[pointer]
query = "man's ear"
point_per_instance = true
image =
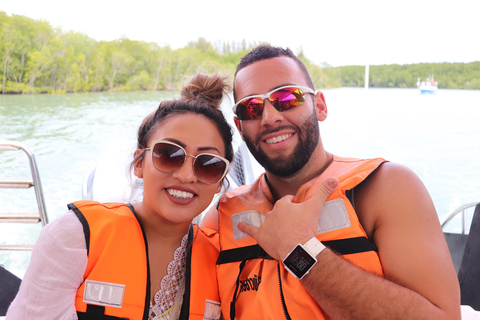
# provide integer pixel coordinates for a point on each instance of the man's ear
(238, 124)
(138, 166)
(320, 106)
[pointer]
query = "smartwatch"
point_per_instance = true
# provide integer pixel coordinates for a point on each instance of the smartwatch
(303, 257)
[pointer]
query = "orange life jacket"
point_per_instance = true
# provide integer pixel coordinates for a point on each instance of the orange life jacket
(117, 278)
(254, 286)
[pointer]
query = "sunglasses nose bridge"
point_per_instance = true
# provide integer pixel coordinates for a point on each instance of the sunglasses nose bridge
(186, 172)
(270, 114)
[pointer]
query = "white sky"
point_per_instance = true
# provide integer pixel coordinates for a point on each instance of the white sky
(338, 32)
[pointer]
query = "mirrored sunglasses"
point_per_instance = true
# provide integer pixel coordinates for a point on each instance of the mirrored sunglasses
(169, 157)
(283, 99)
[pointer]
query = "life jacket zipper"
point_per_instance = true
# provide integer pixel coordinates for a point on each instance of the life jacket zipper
(282, 298)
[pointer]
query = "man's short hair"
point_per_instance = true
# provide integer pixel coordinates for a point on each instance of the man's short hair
(264, 52)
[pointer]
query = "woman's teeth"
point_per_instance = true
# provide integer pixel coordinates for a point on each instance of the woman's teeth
(180, 194)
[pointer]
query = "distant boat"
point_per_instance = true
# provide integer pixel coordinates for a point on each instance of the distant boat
(427, 86)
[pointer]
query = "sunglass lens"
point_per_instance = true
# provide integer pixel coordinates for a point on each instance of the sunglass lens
(287, 98)
(283, 100)
(250, 109)
(209, 169)
(167, 157)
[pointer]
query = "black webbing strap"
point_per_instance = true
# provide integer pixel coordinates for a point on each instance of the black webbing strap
(185, 310)
(232, 304)
(350, 245)
(242, 254)
(341, 246)
(95, 312)
(84, 222)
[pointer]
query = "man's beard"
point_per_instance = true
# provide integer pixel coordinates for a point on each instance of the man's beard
(285, 166)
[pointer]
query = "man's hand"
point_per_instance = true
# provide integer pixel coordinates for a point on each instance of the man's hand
(289, 223)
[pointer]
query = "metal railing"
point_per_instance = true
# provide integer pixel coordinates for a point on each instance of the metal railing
(463, 210)
(24, 183)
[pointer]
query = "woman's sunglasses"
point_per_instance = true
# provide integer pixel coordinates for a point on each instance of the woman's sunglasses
(283, 99)
(169, 157)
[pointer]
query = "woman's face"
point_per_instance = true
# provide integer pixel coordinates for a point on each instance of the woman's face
(179, 196)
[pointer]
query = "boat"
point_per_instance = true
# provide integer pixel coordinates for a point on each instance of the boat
(463, 242)
(10, 283)
(462, 233)
(429, 85)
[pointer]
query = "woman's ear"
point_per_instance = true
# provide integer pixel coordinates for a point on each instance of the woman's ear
(138, 167)
(220, 185)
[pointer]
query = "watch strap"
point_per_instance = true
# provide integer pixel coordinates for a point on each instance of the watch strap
(314, 247)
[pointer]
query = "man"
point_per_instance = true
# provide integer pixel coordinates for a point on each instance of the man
(381, 254)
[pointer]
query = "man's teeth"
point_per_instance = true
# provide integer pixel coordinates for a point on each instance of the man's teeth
(180, 194)
(279, 138)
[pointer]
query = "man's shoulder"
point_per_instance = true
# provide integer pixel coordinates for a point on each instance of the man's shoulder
(387, 194)
(393, 172)
(389, 182)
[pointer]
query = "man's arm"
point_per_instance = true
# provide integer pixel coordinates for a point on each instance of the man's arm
(398, 215)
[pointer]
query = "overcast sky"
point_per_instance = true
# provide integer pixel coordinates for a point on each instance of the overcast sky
(348, 32)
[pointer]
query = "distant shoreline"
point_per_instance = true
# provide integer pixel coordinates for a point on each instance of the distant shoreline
(39, 59)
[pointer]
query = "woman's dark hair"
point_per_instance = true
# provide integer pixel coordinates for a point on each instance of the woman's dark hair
(202, 95)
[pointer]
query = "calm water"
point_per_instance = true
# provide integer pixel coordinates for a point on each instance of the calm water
(437, 136)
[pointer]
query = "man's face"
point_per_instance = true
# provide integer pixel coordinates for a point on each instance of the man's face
(282, 142)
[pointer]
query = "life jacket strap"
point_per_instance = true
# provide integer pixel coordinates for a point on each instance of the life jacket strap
(185, 311)
(242, 254)
(341, 246)
(232, 304)
(350, 245)
(95, 312)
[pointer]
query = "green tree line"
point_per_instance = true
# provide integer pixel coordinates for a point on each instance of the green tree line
(37, 58)
(448, 75)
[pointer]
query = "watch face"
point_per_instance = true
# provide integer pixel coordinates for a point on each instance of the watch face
(299, 262)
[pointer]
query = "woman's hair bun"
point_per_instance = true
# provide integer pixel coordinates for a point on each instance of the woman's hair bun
(207, 89)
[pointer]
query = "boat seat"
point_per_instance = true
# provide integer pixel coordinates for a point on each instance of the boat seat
(456, 244)
(469, 271)
(9, 285)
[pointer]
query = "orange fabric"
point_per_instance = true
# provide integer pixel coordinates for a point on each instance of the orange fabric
(117, 254)
(259, 295)
(202, 285)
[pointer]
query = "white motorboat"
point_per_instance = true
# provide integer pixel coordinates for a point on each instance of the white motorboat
(429, 85)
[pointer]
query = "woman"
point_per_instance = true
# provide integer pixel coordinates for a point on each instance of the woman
(139, 261)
